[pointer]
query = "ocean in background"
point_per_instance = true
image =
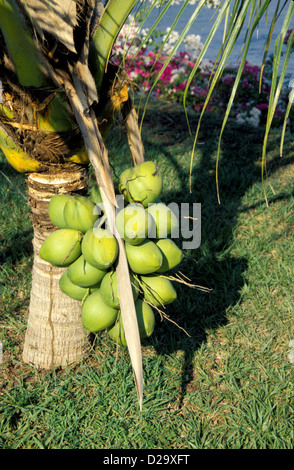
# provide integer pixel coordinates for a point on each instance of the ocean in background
(204, 22)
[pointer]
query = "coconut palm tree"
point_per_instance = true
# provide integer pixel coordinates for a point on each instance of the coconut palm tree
(58, 83)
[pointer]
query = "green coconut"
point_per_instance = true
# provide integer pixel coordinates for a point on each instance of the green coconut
(83, 274)
(62, 247)
(109, 291)
(99, 248)
(123, 178)
(165, 219)
(79, 213)
(56, 208)
(95, 195)
(158, 290)
(133, 223)
(145, 258)
(72, 290)
(171, 254)
(143, 184)
(146, 323)
(96, 314)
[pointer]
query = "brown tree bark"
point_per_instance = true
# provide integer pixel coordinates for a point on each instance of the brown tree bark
(55, 335)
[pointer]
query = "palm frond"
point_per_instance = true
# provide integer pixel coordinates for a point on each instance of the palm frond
(277, 81)
(174, 49)
(236, 17)
(21, 45)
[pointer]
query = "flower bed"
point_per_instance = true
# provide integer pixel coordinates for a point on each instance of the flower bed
(143, 65)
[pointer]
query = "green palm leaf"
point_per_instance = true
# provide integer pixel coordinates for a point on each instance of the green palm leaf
(179, 41)
(277, 82)
(237, 16)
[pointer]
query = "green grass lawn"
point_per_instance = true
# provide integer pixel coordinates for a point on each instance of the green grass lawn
(215, 377)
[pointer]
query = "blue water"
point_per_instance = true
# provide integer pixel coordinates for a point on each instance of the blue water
(202, 26)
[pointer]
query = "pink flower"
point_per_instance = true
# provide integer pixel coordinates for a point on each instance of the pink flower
(228, 80)
(147, 65)
(262, 106)
(289, 31)
(146, 85)
(158, 93)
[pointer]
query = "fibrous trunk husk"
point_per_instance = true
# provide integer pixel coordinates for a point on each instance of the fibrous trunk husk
(55, 335)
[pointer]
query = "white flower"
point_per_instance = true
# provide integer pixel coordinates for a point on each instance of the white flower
(171, 38)
(193, 44)
(130, 38)
(213, 3)
(146, 60)
(253, 118)
(133, 75)
(176, 73)
(209, 3)
(206, 65)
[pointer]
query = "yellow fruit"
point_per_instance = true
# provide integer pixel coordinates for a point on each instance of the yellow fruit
(158, 290)
(62, 247)
(96, 315)
(109, 292)
(171, 254)
(143, 183)
(165, 220)
(146, 323)
(80, 156)
(133, 223)
(83, 274)
(72, 290)
(79, 213)
(56, 208)
(100, 248)
(145, 258)
(18, 159)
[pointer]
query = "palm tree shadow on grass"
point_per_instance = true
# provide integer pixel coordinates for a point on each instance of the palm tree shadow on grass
(18, 241)
(19, 246)
(212, 264)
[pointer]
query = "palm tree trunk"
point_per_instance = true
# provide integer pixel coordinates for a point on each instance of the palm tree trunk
(54, 335)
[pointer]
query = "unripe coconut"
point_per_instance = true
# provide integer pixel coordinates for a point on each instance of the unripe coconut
(95, 195)
(123, 178)
(109, 291)
(83, 274)
(79, 213)
(146, 323)
(142, 184)
(96, 314)
(158, 290)
(96, 198)
(56, 208)
(72, 290)
(100, 248)
(165, 219)
(171, 254)
(145, 258)
(133, 223)
(62, 247)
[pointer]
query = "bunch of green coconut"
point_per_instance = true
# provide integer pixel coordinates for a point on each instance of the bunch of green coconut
(89, 250)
